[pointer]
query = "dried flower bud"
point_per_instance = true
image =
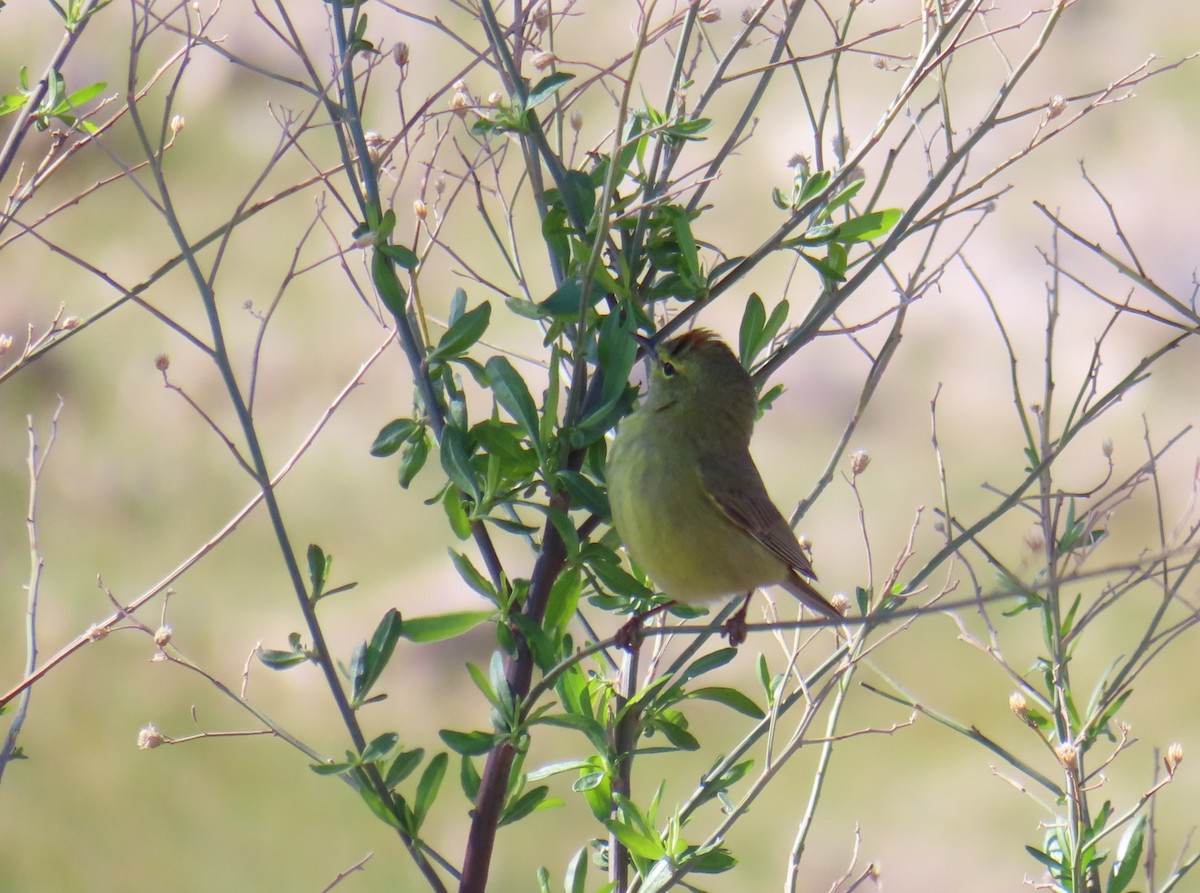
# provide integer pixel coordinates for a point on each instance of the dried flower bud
(840, 145)
(541, 16)
(495, 99)
(1068, 756)
(576, 120)
(1019, 707)
(177, 124)
(841, 603)
(1035, 540)
(859, 460)
(162, 636)
(459, 103)
(162, 362)
(96, 632)
(5, 343)
(1055, 107)
(70, 322)
(1174, 757)
(542, 61)
(150, 738)
(439, 185)
(419, 209)
(159, 657)
(1107, 448)
(746, 15)
(800, 163)
(879, 62)
(400, 54)
(710, 15)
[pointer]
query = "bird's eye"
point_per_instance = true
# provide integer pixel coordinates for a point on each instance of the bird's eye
(668, 369)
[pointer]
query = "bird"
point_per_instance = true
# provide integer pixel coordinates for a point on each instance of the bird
(687, 500)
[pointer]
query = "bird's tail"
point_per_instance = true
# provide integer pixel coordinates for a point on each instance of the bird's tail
(803, 590)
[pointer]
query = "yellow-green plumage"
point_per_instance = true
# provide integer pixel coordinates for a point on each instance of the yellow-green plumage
(686, 496)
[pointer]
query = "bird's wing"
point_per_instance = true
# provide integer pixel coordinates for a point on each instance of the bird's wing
(737, 489)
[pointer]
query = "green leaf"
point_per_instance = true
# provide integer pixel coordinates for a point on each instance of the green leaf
(616, 352)
(552, 769)
(282, 660)
(754, 319)
(378, 653)
(379, 808)
(482, 683)
(588, 781)
(11, 102)
(318, 570)
(731, 698)
(497, 676)
(401, 255)
(456, 461)
(512, 394)
(774, 323)
(584, 493)
(593, 730)
(470, 744)
(473, 577)
(463, 333)
(841, 198)
(707, 664)
(764, 678)
(412, 460)
(406, 761)
(387, 285)
(524, 309)
(681, 226)
(869, 226)
(380, 748)
(358, 672)
(557, 236)
(580, 192)
(524, 805)
(678, 735)
(458, 306)
(468, 777)
(712, 859)
(1129, 853)
(563, 304)
(576, 879)
(564, 599)
(443, 626)
(716, 786)
(1052, 864)
(85, 95)
(827, 270)
(635, 831)
(456, 513)
(331, 768)
(545, 88)
(427, 787)
(392, 436)
(812, 187)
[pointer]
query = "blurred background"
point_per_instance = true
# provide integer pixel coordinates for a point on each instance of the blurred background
(137, 480)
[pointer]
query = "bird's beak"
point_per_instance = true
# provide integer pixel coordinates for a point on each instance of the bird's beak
(650, 345)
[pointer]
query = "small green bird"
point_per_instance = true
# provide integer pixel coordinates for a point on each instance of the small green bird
(687, 499)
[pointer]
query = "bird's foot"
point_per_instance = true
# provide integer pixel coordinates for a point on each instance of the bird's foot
(734, 629)
(630, 636)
